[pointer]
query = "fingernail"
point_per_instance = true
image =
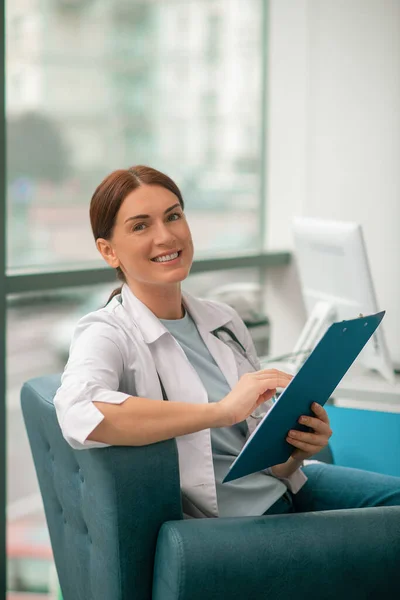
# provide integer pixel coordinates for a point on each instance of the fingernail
(303, 419)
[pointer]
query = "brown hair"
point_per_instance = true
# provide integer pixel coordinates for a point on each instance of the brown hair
(111, 193)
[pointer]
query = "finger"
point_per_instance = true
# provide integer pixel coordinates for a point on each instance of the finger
(309, 448)
(277, 379)
(316, 424)
(273, 372)
(309, 438)
(266, 396)
(320, 412)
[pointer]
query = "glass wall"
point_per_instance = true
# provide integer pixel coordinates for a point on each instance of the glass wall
(90, 87)
(105, 84)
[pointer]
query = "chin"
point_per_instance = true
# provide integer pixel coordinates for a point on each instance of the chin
(177, 277)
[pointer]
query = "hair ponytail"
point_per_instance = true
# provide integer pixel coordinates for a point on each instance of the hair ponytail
(114, 293)
(121, 277)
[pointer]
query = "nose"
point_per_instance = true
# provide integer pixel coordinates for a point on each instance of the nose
(163, 235)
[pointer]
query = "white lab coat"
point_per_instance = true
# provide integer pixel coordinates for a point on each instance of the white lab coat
(116, 353)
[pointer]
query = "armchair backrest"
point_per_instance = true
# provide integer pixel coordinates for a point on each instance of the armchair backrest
(104, 507)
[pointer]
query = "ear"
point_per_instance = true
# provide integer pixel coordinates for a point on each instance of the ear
(108, 253)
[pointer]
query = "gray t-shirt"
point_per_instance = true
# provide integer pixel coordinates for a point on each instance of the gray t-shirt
(248, 496)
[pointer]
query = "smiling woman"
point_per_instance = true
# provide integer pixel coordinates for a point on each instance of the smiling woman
(138, 221)
(153, 343)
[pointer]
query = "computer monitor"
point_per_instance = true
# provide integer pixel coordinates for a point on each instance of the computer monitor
(337, 285)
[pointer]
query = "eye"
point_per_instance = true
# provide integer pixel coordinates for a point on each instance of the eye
(138, 227)
(176, 216)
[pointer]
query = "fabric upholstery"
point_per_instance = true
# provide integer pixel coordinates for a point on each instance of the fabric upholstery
(349, 554)
(102, 506)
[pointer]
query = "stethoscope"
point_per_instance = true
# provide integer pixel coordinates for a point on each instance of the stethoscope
(243, 351)
(234, 338)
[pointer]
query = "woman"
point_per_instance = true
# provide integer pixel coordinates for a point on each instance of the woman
(151, 343)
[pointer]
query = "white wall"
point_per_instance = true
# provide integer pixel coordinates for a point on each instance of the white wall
(334, 140)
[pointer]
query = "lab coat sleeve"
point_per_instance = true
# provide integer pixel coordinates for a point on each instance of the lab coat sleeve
(93, 373)
(294, 482)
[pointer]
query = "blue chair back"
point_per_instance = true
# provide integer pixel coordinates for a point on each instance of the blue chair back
(103, 506)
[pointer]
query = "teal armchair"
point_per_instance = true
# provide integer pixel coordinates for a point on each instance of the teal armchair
(117, 531)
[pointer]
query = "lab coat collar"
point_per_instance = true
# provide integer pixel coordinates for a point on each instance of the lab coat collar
(206, 316)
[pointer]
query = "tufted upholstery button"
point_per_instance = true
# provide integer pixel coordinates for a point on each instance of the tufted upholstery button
(81, 477)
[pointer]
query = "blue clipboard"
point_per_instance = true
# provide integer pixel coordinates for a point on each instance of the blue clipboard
(315, 381)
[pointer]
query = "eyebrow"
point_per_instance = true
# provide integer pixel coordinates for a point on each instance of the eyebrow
(148, 216)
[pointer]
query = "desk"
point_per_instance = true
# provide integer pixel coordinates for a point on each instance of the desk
(362, 388)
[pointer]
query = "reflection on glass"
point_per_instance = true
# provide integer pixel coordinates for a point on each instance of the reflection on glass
(93, 86)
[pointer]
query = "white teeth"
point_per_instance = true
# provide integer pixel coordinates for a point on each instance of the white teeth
(166, 257)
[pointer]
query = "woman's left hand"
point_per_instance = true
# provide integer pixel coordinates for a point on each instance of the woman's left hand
(308, 444)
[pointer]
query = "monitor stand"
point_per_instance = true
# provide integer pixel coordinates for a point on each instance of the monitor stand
(321, 317)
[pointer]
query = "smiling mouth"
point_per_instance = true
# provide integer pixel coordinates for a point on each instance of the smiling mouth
(168, 257)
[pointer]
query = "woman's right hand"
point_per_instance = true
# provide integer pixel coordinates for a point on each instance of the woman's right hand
(251, 390)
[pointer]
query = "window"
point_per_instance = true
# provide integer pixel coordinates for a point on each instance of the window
(113, 84)
(91, 87)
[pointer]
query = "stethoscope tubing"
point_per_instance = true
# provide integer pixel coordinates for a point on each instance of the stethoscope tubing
(216, 332)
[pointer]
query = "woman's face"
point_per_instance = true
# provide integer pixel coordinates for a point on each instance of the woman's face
(150, 229)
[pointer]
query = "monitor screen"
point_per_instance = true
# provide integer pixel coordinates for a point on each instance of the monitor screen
(333, 266)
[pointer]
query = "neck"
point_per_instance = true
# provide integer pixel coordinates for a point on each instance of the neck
(165, 301)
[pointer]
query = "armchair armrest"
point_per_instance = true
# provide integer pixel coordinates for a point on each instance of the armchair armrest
(334, 554)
